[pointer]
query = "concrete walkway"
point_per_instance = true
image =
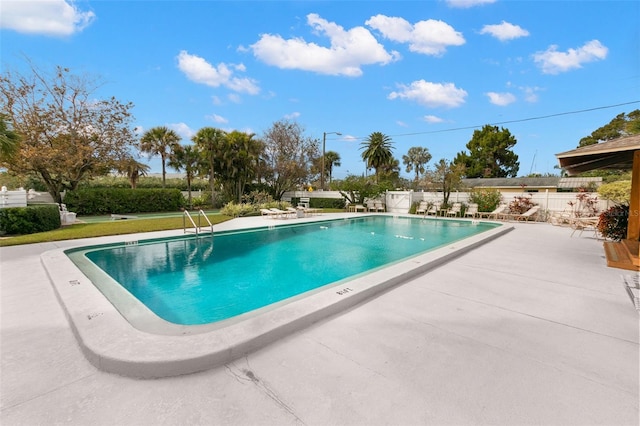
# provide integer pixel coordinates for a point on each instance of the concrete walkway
(531, 328)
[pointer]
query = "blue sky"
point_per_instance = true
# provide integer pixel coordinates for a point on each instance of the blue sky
(426, 73)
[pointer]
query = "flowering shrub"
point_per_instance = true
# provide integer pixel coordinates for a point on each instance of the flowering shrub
(613, 222)
(486, 199)
(585, 205)
(520, 204)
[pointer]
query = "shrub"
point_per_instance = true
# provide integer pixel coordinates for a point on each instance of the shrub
(29, 220)
(238, 210)
(618, 192)
(613, 222)
(486, 199)
(520, 204)
(101, 201)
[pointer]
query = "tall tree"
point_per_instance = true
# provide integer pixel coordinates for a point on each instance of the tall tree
(490, 154)
(288, 155)
(133, 169)
(186, 158)
(377, 151)
(160, 141)
(416, 159)
(239, 161)
(9, 140)
(446, 177)
(622, 125)
(331, 160)
(68, 134)
(210, 142)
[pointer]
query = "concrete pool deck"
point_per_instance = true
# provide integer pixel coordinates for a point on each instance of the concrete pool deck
(531, 328)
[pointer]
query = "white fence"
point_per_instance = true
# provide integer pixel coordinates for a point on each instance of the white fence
(17, 198)
(401, 201)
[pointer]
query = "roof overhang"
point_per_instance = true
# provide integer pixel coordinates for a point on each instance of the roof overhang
(613, 154)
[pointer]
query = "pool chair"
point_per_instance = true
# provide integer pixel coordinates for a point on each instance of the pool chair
(422, 208)
(471, 211)
(530, 214)
(268, 212)
(455, 210)
(434, 209)
(283, 214)
(380, 207)
(500, 210)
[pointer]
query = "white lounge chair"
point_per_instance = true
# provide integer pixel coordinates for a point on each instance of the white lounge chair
(471, 211)
(529, 214)
(268, 212)
(434, 209)
(455, 210)
(422, 207)
(494, 214)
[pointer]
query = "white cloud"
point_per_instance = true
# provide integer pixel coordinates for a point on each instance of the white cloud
(200, 71)
(431, 94)
(182, 130)
(348, 50)
(553, 62)
(432, 119)
(217, 119)
(504, 31)
(430, 37)
(464, 4)
(501, 99)
(234, 97)
(401, 123)
(292, 116)
(48, 17)
(530, 93)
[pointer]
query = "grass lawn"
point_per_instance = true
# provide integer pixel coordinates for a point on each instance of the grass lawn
(104, 228)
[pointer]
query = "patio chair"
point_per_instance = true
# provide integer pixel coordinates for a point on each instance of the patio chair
(529, 214)
(455, 210)
(268, 212)
(471, 211)
(583, 223)
(422, 208)
(280, 213)
(380, 207)
(494, 214)
(434, 209)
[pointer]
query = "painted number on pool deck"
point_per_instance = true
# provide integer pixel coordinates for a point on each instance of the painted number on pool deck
(344, 291)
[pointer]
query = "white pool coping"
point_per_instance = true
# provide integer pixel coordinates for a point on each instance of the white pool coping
(113, 345)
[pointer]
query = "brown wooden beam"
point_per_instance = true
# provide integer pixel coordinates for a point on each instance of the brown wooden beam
(633, 229)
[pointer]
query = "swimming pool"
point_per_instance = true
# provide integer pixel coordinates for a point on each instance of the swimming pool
(203, 280)
(132, 340)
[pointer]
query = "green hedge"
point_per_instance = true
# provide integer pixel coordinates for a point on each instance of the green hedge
(100, 201)
(29, 220)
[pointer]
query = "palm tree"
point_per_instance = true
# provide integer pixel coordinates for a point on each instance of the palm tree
(133, 169)
(160, 141)
(239, 161)
(331, 158)
(210, 141)
(416, 159)
(377, 151)
(9, 139)
(186, 158)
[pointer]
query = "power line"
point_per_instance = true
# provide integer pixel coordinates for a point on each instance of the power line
(455, 129)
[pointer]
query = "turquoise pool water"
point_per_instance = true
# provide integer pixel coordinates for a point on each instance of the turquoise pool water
(203, 280)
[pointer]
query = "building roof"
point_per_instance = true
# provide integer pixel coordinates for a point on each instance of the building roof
(613, 154)
(532, 182)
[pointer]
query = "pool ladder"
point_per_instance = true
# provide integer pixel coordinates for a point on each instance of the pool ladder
(196, 229)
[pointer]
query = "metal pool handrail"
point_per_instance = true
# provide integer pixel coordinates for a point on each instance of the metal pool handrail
(197, 228)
